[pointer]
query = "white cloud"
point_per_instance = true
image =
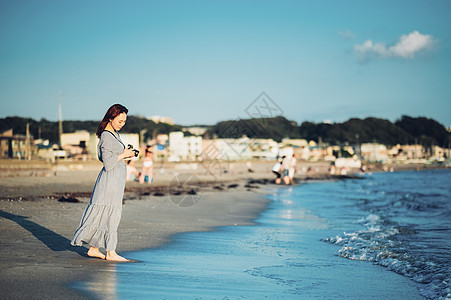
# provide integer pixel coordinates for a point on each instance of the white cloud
(408, 46)
(347, 34)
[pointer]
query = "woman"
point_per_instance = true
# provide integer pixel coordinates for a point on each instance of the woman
(292, 168)
(98, 225)
(147, 166)
(286, 169)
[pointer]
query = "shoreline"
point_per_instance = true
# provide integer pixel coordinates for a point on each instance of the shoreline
(77, 179)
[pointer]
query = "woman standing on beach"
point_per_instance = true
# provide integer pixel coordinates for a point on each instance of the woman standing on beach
(147, 166)
(100, 220)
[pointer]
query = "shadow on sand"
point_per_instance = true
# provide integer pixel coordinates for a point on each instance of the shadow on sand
(51, 239)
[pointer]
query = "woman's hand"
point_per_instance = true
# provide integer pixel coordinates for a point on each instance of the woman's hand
(128, 153)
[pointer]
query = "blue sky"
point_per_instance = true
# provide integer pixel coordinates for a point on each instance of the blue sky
(201, 62)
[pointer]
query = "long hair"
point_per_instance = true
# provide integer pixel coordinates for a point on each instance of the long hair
(111, 113)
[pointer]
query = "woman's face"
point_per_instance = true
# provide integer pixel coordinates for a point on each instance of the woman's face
(119, 122)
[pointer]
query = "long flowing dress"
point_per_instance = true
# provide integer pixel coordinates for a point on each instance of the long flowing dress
(100, 220)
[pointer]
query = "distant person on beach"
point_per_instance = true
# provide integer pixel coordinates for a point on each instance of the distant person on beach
(286, 169)
(147, 166)
(249, 167)
(132, 172)
(332, 169)
(100, 220)
(292, 168)
(343, 171)
(276, 169)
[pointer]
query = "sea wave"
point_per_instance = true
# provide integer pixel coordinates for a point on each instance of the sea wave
(378, 242)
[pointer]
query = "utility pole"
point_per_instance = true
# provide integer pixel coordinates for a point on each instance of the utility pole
(27, 143)
(60, 128)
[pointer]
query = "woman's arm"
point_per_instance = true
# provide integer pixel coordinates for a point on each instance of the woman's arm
(126, 154)
(110, 159)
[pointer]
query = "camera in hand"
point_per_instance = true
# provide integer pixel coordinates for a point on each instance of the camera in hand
(134, 150)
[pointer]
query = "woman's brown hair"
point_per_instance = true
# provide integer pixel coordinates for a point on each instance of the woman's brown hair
(111, 113)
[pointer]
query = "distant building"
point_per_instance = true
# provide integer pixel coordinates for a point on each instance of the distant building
(319, 153)
(373, 152)
(161, 119)
(162, 139)
(79, 138)
(51, 152)
(262, 148)
(195, 130)
(225, 149)
(333, 152)
(184, 148)
(160, 147)
(77, 144)
(439, 153)
(16, 145)
(239, 149)
(407, 152)
(348, 163)
(301, 147)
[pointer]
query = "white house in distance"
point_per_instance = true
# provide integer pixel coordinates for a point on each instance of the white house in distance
(184, 148)
(233, 149)
(373, 152)
(79, 138)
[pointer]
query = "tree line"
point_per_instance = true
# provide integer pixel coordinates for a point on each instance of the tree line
(406, 130)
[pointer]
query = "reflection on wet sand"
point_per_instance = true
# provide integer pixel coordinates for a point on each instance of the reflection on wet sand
(104, 285)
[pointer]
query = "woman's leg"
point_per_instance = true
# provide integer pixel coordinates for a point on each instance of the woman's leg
(95, 252)
(143, 174)
(113, 256)
(149, 172)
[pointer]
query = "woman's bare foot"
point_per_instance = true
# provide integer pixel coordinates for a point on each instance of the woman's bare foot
(95, 252)
(113, 256)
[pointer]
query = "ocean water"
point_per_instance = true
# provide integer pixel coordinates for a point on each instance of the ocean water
(406, 226)
(386, 236)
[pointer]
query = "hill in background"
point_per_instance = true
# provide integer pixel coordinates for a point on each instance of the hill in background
(406, 130)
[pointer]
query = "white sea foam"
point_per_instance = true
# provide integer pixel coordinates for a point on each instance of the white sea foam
(375, 243)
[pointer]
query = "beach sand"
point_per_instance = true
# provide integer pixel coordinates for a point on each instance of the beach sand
(36, 258)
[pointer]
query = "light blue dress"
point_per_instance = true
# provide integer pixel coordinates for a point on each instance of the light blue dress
(100, 220)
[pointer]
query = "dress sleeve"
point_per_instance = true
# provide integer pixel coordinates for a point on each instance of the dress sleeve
(108, 157)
